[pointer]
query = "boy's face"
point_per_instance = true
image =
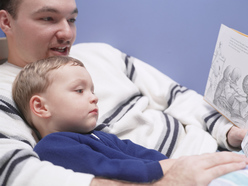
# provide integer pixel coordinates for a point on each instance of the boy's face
(43, 28)
(71, 100)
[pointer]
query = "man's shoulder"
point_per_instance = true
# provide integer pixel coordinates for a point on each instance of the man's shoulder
(93, 48)
(92, 45)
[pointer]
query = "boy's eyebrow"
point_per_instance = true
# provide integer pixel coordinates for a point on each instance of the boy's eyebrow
(53, 10)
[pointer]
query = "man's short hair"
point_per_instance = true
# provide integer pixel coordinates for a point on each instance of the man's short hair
(11, 6)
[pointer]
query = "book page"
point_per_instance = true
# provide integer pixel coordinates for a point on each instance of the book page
(227, 85)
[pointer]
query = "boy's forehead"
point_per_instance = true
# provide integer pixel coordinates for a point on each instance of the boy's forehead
(69, 67)
(68, 72)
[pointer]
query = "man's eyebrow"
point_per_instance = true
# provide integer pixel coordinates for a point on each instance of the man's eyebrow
(75, 11)
(53, 10)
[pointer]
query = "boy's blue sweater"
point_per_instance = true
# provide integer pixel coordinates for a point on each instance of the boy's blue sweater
(101, 154)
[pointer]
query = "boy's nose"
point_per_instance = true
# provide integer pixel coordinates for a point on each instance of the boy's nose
(94, 99)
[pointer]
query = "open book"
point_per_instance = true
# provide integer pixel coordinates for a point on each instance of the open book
(227, 85)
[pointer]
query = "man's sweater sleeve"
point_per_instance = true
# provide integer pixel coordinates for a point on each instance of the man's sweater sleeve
(182, 103)
(21, 166)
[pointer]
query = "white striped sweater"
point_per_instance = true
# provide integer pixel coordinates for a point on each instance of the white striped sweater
(136, 102)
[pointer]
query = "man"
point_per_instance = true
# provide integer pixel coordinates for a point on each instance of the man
(39, 29)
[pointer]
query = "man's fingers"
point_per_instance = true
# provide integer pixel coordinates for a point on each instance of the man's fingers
(202, 169)
(218, 164)
(222, 158)
(221, 170)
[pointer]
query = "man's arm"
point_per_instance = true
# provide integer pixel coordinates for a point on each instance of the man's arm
(206, 168)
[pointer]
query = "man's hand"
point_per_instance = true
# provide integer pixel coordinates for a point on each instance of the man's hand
(191, 170)
(166, 164)
(235, 136)
(202, 169)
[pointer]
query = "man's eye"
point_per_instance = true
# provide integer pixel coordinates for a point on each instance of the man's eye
(72, 20)
(47, 19)
(79, 91)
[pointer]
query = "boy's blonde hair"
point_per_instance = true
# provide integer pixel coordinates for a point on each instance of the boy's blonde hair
(34, 79)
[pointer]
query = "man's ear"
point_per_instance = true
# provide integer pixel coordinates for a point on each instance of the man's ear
(38, 106)
(5, 20)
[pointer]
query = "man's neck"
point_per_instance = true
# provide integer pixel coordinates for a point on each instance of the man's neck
(3, 48)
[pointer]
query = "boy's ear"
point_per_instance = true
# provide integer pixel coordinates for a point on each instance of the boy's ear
(38, 107)
(5, 19)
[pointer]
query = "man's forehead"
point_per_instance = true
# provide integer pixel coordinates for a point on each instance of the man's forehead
(56, 6)
(53, 9)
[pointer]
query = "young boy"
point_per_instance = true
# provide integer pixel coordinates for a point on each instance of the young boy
(56, 96)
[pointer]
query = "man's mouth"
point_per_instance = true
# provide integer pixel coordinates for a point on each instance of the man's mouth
(62, 50)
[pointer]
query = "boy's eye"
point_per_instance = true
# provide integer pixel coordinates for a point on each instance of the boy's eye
(79, 91)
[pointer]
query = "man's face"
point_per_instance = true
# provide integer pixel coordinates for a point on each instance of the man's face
(43, 28)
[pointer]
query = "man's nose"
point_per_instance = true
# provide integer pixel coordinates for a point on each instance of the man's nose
(66, 32)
